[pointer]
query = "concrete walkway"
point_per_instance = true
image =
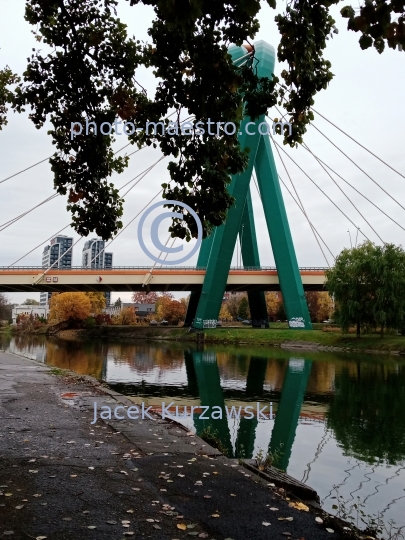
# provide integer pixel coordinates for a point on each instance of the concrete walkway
(63, 478)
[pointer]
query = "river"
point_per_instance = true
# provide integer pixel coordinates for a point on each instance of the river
(338, 421)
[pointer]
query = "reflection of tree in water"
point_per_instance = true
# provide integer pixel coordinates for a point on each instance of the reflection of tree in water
(145, 358)
(84, 357)
(367, 413)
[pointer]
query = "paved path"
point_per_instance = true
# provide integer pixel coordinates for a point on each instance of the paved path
(63, 478)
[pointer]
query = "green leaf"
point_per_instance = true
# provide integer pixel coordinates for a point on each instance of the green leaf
(365, 41)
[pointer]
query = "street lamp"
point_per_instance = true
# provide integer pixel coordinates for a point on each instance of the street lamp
(357, 234)
(350, 236)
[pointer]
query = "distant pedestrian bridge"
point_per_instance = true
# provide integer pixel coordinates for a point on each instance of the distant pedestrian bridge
(121, 279)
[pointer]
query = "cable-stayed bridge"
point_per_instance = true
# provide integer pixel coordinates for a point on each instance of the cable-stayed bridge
(213, 274)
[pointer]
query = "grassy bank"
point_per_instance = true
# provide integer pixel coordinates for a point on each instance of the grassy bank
(276, 337)
(272, 337)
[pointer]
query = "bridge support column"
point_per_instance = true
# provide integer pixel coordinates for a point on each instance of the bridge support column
(250, 257)
(280, 236)
(225, 238)
(202, 262)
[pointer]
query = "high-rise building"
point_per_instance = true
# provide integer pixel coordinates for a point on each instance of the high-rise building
(94, 256)
(59, 249)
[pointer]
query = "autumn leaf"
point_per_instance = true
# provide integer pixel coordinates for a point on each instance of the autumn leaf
(182, 526)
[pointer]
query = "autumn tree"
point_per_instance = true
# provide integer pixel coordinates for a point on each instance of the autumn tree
(75, 75)
(325, 306)
(224, 314)
(145, 298)
(69, 306)
(272, 303)
(97, 300)
(233, 304)
(312, 298)
(170, 309)
(127, 316)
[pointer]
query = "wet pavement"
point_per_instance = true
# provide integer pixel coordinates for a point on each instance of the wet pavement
(63, 478)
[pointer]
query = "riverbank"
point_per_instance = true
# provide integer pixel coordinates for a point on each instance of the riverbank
(64, 477)
(313, 340)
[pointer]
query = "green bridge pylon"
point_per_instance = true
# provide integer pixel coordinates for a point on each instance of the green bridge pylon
(217, 251)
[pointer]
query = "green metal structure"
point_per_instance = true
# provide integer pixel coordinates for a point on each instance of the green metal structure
(217, 251)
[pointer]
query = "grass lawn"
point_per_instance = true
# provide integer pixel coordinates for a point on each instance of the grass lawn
(276, 336)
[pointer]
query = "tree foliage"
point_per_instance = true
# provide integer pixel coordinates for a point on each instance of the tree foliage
(97, 300)
(5, 308)
(272, 303)
(174, 311)
(30, 302)
(70, 306)
(7, 78)
(320, 305)
(145, 298)
(243, 310)
(368, 284)
(86, 70)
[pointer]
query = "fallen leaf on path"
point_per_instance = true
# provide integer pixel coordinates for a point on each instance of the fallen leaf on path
(299, 506)
(330, 530)
(92, 527)
(41, 538)
(274, 509)
(182, 526)
(266, 523)
(319, 520)
(215, 515)
(150, 520)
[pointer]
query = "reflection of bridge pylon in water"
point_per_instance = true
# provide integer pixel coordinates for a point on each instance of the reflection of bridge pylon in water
(217, 250)
(206, 375)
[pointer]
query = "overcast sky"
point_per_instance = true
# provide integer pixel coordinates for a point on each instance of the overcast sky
(365, 98)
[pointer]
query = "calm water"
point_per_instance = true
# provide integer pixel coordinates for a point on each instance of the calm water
(339, 419)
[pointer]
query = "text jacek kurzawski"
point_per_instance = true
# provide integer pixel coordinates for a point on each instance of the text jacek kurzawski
(172, 411)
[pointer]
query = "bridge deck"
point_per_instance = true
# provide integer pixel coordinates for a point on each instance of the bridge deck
(29, 279)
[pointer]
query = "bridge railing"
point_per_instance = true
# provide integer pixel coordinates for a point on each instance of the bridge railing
(146, 268)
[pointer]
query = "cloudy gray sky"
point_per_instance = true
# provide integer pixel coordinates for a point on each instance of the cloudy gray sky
(365, 99)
